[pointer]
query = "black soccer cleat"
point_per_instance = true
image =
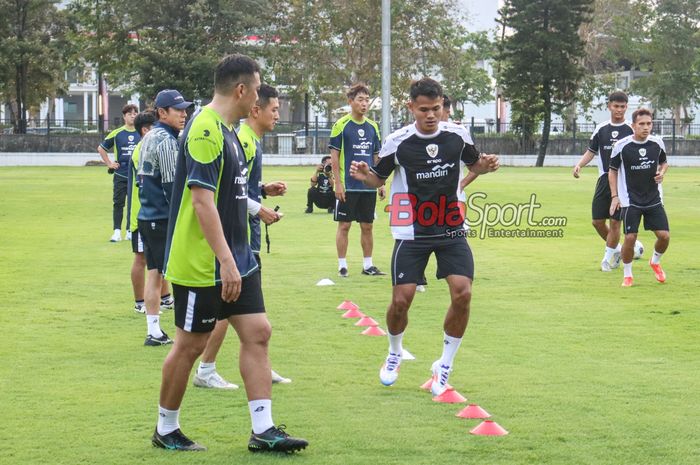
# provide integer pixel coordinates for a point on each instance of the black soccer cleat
(373, 271)
(343, 272)
(309, 210)
(157, 341)
(275, 439)
(175, 440)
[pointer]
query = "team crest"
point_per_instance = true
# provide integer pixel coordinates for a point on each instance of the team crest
(131, 138)
(432, 150)
(615, 133)
(643, 152)
(361, 132)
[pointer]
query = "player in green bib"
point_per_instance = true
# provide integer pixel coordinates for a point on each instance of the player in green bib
(211, 265)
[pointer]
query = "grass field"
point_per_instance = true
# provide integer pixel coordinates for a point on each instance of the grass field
(578, 370)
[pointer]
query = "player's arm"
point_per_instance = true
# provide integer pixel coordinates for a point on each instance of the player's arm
(105, 158)
(335, 166)
(615, 164)
(274, 188)
(167, 158)
(208, 217)
(583, 161)
(468, 179)
(360, 170)
(663, 164)
(486, 163)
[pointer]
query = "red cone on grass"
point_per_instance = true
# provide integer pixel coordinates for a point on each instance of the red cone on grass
(366, 321)
(489, 428)
(353, 313)
(348, 305)
(374, 331)
(426, 386)
(473, 411)
(450, 396)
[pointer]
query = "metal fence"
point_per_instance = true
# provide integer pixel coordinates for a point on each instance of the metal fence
(299, 138)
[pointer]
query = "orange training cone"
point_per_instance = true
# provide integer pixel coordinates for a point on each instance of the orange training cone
(374, 331)
(426, 386)
(450, 396)
(348, 305)
(353, 313)
(489, 428)
(473, 411)
(366, 321)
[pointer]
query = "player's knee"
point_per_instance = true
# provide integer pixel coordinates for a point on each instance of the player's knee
(366, 227)
(260, 333)
(400, 303)
(663, 235)
(462, 297)
(598, 223)
(344, 226)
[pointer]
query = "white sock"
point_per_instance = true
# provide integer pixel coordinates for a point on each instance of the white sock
(206, 369)
(449, 349)
(261, 415)
(153, 322)
(656, 258)
(395, 346)
(608, 254)
(367, 262)
(618, 248)
(168, 420)
(628, 269)
(342, 263)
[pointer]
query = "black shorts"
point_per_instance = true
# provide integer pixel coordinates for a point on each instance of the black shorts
(358, 206)
(602, 199)
(655, 218)
(408, 261)
(320, 199)
(153, 234)
(136, 242)
(198, 308)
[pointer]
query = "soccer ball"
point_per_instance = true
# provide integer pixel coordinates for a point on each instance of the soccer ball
(638, 250)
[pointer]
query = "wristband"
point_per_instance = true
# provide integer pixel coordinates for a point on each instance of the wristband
(263, 194)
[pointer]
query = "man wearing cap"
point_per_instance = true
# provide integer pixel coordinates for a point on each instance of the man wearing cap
(156, 173)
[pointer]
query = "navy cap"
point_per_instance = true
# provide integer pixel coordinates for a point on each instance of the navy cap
(171, 98)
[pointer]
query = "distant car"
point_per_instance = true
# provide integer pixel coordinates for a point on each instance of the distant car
(301, 142)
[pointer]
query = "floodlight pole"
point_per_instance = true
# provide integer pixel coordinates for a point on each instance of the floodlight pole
(386, 67)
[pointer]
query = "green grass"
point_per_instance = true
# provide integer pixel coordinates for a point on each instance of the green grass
(578, 370)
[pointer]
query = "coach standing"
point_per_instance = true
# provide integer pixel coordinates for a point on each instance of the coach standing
(156, 172)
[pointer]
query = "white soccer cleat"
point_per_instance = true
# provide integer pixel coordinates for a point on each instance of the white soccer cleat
(389, 372)
(616, 260)
(420, 288)
(116, 237)
(128, 236)
(213, 381)
(605, 266)
(441, 374)
(278, 379)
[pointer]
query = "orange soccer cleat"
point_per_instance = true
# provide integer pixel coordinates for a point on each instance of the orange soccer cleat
(627, 282)
(658, 272)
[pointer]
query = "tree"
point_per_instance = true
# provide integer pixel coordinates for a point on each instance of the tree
(665, 42)
(326, 45)
(31, 58)
(541, 60)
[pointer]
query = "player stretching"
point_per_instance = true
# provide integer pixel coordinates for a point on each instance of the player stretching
(601, 144)
(637, 168)
(426, 218)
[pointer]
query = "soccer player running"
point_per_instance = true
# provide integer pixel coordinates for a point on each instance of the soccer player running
(122, 142)
(156, 171)
(211, 265)
(354, 138)
(425, 219)
(637, 168)
(602, 141)
(143, 123)
(262, 119)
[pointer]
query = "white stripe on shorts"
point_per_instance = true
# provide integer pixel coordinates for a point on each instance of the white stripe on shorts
(189, 316)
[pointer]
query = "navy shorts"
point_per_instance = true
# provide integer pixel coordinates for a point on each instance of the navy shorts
(409, 259)
(154, 234)
(358, 206)
(655, 218)
(197, 309)
(602, 199)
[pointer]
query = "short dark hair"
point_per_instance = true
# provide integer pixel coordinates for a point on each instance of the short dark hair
(618, 96)
(641, 112)
(266, 93)
(446, 102)
(143, 119)
(323, 160)
(128, 108)
(359, 88)
(427, 87)
(232, 70)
